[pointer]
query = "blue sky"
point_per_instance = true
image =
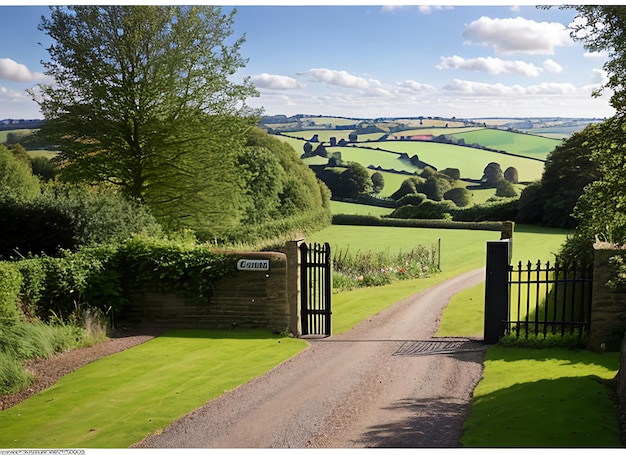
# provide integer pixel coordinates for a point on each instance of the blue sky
(375, 61)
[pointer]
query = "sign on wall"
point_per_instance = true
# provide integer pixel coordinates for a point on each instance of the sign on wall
(258, 265)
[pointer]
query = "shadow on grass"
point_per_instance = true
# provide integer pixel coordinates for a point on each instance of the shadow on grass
(567, 357)
(565, 412)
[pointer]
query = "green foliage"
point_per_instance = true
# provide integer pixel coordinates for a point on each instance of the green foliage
(453, 173)
(16, 178)
(10, 285)
(412, 199)
(436, 186)
(21, 340)
(618, 279)
(378, 182)
(284, 197)
(408, 186)
(179, 266)
(166, 131)
(371, 220)
(601, 208)
(370, 268)
(496, 209)
(531, 205)
(504, 188)
(354, 181)
(13, 376)
(264, 183)
(492, 174)
(426, 210)
(43, 168)
(462, 197)
(511, 175)
(68, 218)
(568, 169)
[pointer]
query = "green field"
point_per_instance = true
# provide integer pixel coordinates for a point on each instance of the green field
(5, 133)
(346, 208)
(470, 161)
(518, 143)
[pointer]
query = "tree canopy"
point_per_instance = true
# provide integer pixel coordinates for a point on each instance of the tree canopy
(142, 99)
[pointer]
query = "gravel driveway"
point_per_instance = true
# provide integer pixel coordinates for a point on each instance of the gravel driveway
(386, 383)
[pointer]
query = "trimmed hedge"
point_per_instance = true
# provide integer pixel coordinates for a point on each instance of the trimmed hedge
(102, 277)
(371, 220)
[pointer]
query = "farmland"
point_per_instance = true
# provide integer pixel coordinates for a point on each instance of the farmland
(398, 149)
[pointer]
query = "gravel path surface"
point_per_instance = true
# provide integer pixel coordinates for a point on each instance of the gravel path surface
(386, 383)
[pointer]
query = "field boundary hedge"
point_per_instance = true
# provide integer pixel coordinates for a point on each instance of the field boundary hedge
(372, 220)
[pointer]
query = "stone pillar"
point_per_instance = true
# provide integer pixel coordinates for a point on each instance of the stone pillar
(608, 307)
(293, 285)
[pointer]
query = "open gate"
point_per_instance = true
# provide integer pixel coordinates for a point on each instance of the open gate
(316, 289)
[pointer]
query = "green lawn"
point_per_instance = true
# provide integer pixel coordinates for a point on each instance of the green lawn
(118, 400)
(554, 398)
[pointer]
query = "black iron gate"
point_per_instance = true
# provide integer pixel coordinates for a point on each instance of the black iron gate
(316, 289)
(550, 299)
(536, 300)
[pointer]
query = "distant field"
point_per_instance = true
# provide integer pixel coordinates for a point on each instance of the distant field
(4, 133)
(347, 208)
(521, 144)
(471, 162)
(434, 131)
(324, 135)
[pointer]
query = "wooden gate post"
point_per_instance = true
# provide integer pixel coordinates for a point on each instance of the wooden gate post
(293, 286)
(497, 290)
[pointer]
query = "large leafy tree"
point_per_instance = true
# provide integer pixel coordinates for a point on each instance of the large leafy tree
(143, 100)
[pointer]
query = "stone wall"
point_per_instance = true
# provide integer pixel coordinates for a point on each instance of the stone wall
(608, 308)
(252, 296)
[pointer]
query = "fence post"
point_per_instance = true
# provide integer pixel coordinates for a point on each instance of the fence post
(293, 285)
(497, 290)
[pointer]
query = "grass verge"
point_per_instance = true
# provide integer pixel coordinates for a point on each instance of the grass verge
(544, 398)
(118, 400)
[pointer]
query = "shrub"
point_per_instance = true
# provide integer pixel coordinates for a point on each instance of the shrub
(16, 178)
(461, 197)
(426, 210)
(408, 186)
(504, 188)
(367, 268)
(64, 218)
(411, 199)
(10, 284)
(504, 209)
(180, 266)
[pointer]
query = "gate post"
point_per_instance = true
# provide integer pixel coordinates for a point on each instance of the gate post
(293, 286)
(497, 290)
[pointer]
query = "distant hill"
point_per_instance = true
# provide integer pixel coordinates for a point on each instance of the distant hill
(18, 124)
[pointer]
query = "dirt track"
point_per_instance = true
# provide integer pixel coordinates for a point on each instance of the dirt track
(386, 383)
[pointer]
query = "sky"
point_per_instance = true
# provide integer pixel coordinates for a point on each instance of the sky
(374, 60)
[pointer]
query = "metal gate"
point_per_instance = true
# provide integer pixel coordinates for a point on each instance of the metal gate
(550, 299)
(316, 289)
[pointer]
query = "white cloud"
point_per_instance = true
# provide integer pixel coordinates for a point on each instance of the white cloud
(552, 67)
(16, 72)
(490, 65)
(416, 87)
(427, 9)
(347, 80)
(482, 89)
(517, 35)
(552, 88)
(275, 82)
